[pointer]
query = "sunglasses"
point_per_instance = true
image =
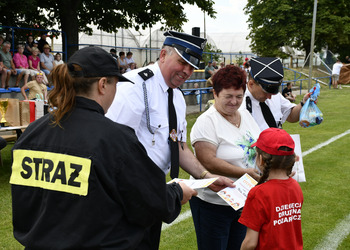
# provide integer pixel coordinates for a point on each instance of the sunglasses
(39, 74)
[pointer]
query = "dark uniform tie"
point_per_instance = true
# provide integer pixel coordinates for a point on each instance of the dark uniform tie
(174, 147)
(270, 120)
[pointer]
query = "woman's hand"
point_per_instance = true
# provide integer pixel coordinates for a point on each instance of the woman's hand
(253, 173)
(221, 183)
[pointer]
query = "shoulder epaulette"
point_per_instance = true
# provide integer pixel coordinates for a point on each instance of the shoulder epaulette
(146, 74)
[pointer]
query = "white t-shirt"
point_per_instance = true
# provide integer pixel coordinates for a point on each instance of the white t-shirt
(129, 60)
(336, 68)
(233, 144)
(280, 108)
(128, 108)
(58, 62)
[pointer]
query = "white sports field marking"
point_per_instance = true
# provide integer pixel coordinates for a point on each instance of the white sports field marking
(335, 237)
(325, 143)
(332, 239)
(181, 217)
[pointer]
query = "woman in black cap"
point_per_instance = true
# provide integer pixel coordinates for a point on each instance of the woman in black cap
(75, 188)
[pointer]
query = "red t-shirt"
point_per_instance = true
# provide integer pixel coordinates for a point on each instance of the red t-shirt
(274, 210)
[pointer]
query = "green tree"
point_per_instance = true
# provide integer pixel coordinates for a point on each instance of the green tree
(277, 23)
(74, 16)
(211, 53)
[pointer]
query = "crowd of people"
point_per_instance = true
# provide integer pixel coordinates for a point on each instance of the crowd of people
(125, 62)
(35, 57)
(30, 59)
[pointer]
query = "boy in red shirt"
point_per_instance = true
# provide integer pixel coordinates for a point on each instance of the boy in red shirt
(272, 212)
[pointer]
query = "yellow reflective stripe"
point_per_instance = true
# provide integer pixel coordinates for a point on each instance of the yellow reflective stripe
(53, 171)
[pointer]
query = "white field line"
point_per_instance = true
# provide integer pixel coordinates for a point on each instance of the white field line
(181, 217)
(332, 240)
(335, 237)
(317, 147)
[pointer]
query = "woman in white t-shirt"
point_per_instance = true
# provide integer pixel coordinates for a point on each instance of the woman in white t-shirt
(221, 138)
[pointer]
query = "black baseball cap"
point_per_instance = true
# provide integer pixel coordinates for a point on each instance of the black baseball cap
(189, 47)
(95, 62)
(268, 72)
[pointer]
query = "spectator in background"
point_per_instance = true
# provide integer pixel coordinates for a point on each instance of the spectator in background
(21, 64)
(42, 42)
(2, 70)
(28, 46)
(122, 62)
(8, 64)
(215, 66)
(209, 70)
(34, 64)
(129, 59)
(222, 65)
(246, 60)
(1, 41)
(287, 92)
(37, 89)
(208, 73)
(47, 60)
(113, 52)
(35, 45)
(246, 67)
(347, 59)
(197, 93)
(58, 59)
(335, 73)
(132, 66)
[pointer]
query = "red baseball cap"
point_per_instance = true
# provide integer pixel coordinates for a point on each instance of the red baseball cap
(270, 140)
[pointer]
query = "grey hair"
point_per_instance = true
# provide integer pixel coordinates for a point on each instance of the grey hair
(169, 50)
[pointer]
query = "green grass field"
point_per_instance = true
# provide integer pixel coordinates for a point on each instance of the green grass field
(326, 195)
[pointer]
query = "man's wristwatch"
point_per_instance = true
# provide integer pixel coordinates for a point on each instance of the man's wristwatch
(301, 103)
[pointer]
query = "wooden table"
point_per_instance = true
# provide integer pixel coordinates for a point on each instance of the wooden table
(18, 129)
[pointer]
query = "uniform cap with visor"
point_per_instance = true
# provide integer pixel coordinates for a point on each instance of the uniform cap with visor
(268, 72)
(95, 62)
(189, 47)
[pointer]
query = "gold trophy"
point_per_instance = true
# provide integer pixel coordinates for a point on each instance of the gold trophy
(3, 108)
